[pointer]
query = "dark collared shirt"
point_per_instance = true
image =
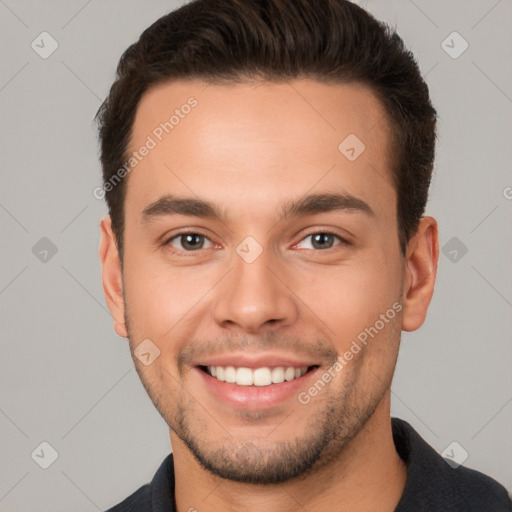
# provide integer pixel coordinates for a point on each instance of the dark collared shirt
(432, 484)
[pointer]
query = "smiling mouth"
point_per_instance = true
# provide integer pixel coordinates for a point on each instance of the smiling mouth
(257, 377)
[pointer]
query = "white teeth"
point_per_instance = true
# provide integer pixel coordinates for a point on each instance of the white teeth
(278, 375)
(262, 377)
(289, 374)
(259, 377)
(244, 377)
(230, 374)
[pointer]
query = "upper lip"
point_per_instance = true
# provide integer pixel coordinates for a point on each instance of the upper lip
(255, 361)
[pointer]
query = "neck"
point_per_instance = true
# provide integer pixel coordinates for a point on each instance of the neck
(367, 475)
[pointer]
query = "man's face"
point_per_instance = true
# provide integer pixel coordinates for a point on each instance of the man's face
(255, 288)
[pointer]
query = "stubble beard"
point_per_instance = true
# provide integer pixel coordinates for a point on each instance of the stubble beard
(253, 461)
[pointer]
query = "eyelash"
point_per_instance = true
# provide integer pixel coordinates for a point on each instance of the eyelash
(342, 241)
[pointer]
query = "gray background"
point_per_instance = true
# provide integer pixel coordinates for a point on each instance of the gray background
(67, 379)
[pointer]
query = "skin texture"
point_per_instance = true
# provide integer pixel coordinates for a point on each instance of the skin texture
(249, 148)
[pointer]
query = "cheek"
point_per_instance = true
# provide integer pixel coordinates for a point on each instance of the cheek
(160, 298)
(347, 298)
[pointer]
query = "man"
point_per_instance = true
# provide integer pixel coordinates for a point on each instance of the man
(266, 167)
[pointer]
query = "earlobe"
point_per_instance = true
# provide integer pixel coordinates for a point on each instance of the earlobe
(421, 269)
(112, 278)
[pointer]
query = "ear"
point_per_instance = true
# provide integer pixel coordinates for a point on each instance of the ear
(112, 277)
(420, 275)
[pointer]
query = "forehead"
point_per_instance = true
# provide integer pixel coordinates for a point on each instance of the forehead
(249, 144)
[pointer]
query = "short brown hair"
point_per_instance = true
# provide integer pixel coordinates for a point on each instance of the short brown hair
(332, 41)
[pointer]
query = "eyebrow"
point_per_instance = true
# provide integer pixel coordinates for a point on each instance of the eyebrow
(308, 205)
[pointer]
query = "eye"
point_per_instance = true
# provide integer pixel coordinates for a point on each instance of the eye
(189, 242)
(322, 240)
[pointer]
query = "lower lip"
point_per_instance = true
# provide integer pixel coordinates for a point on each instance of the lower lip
(255, 397)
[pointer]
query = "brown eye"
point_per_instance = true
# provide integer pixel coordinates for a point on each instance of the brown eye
(322, 240)
(189, 241)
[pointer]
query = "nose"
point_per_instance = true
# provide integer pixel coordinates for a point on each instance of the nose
(254, 297)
